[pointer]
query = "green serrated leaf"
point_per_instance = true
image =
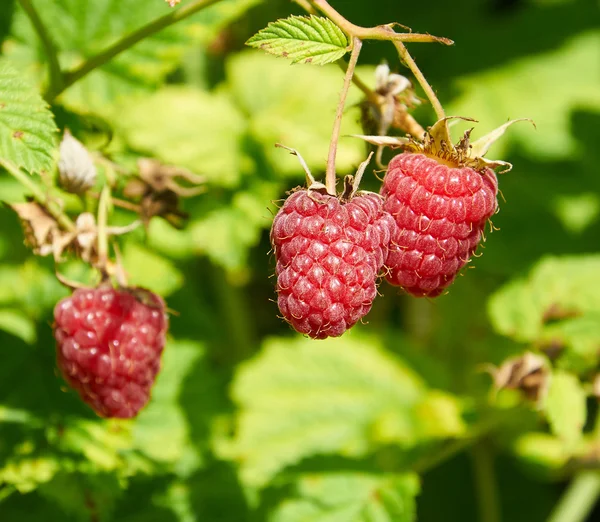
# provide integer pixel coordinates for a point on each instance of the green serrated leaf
(280, 111)
(198, 130)
(302, 39)
(300, 398)
(26, 125)
(565, 407)
(351, 497)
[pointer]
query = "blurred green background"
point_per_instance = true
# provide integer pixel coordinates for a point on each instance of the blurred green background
(249, 421)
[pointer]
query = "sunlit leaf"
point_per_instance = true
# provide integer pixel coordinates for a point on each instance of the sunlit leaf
(302, 39)
(149, 270)
(187, 127)
(539, 87)
(300, 398)
(296, 107)
(351, 497)
(26, 125)
(82, 28)
(565, 407)
(17, 323)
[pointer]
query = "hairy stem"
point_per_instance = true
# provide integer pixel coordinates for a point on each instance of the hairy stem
(126, 42)
(382, 32)
(335, 135)
(56, 78)
(410, 62)
(38, 194)
(368, 92)
(579, 499)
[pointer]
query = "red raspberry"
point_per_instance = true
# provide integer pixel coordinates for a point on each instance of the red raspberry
(109, 343)
(441, 212)
(329, 254)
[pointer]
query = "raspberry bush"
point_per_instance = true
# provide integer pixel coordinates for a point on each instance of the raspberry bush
(386, 324)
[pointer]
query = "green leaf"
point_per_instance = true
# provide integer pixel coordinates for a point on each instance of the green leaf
(565, 407)
(149, 270)
(539, 87)
(30, 287)
(17, 323)
(84, 496)
(577, 212)
(190, 128)
(225, 234)
(541, 450)
(83, 28)
(27, 473)
(26, 125)
(296, 107)
(300, 398)
(557, 305)
(161, 429)
(351, 497)
(302, 39)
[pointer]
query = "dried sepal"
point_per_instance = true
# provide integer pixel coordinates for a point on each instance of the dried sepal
(529, 373)
(40, 228)
(45, 237)
(159, 188)
(437, 142)
(394, 142)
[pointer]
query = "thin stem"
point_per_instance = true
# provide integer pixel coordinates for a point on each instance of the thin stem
(126, 42)
(410, 62)
(579, 499)
(382, 32)
(51, 207)
(337, 125)
(485, 482)
(56, 78)
(103, 227)
(368, 92)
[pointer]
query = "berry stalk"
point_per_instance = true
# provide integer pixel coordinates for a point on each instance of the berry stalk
(412, 65)
(330, 177)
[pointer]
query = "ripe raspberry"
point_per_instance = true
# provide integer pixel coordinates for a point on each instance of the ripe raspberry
(109, 343)
(329, 253)
(441, 212)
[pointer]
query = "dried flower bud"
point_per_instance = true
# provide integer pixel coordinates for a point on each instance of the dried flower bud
(528, 373)
(76, 170)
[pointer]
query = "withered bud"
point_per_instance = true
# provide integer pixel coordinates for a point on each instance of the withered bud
(394, 96)
(76, 170)
(159, 188)
(528, 373)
